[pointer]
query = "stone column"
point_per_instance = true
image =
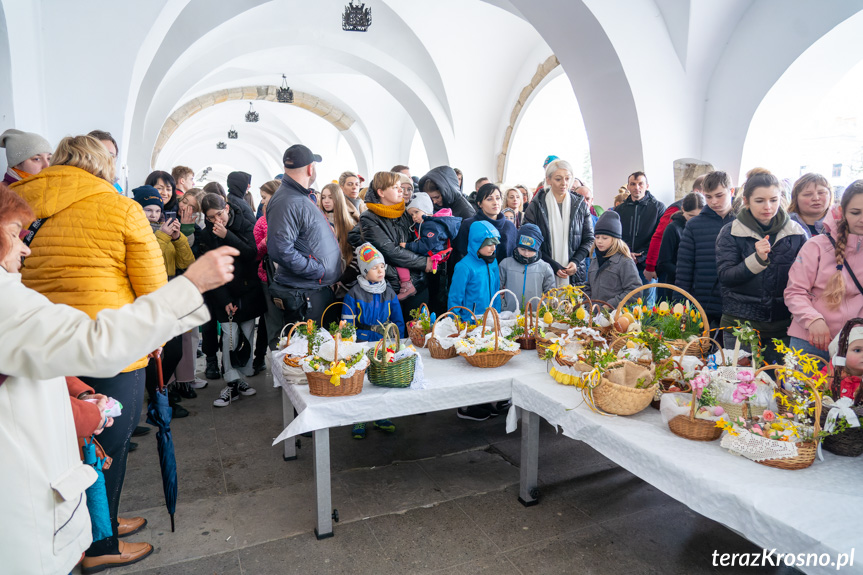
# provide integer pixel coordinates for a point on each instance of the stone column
(685, 172)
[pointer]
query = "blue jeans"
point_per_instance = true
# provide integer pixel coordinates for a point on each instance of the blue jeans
(806, 347)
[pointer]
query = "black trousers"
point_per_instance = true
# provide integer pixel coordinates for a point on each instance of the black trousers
(128, 389)
(305, 304)
(210, 338)
(261, 341)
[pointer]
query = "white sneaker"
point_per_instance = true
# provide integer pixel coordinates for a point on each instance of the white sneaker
(244, 388)
(199, 383)
(229, 394)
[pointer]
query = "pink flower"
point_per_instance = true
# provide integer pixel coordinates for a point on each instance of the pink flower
(745, 376)
(768, 415)
(757, 429)
(743, 391)
(698, 383)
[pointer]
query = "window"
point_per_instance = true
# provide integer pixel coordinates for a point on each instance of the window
(802, 170)
(837, 170)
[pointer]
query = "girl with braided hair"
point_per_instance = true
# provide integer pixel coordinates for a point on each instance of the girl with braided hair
(753, 256)
(823, 291)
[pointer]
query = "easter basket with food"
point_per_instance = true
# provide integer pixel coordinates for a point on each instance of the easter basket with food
(420, 325)
(337, 369)
(487, 350)
(445, 331)
(693, 415)
(785, 439)
(573, 361)
(384, 369)
(298, 344)
(677, 323)
(563, 308)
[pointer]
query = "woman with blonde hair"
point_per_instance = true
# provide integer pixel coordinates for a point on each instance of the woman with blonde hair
(95, 250)
(811, 199)
(514, 200)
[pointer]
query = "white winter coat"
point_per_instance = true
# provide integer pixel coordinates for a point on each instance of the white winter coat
(44, 523)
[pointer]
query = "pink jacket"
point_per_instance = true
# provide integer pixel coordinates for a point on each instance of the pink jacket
(260, 232)
(815, 264)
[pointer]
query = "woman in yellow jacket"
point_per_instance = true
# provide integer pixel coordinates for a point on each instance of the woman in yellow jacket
(94, 250)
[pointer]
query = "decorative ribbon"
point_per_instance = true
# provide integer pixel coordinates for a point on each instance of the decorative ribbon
(336, 371)
(841, 407)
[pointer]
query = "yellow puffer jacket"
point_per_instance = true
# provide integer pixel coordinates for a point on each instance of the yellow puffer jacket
(96, 250)
(176, 253)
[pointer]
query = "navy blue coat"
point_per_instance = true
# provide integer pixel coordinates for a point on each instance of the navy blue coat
(751, 290)
(506, 229)
(695, 271)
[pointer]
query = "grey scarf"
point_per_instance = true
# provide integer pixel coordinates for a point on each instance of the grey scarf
(378, 287)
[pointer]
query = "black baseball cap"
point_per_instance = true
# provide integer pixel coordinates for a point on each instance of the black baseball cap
(299, 156)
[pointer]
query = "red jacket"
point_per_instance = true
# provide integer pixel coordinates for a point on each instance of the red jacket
(656, 240)
(87, 416)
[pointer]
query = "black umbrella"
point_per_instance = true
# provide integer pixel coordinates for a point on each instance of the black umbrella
(159, 414)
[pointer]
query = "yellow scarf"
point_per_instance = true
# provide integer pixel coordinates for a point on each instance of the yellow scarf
(392, 212)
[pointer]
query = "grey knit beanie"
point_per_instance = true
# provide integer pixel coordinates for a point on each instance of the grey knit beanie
(422, 201)
(21, 146)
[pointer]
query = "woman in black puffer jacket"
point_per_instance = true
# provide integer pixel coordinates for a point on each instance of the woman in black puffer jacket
(753, 256)
(237, 304)
(386, 224)
(548, 211)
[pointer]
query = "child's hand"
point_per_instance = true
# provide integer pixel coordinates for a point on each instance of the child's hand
(175, 229)
(219, 229)
(165, 228)
(762, 248)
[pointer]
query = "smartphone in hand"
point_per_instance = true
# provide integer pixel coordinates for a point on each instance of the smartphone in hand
(170, 215)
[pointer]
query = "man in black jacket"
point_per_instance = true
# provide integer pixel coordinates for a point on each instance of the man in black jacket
(301, 244)
(639, 216)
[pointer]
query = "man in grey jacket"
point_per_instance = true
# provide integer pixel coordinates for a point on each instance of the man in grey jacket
(301, 245)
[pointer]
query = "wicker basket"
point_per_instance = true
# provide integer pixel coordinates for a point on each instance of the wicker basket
(848, 443)
(677, 345)
(319, 383)
(415, 330)
(528, 340)
(396, 374)
(292, 369)
(290, 360)
(806, 452)
(689, 427)
(620, 399)
(435, 349)
(353, 318)
(596, 306)
(496, 357)
(550, 301)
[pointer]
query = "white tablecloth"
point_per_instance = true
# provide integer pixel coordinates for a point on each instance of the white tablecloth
(814, 510)
(452, 383)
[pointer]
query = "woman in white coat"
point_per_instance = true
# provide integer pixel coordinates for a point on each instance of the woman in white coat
(45, 525)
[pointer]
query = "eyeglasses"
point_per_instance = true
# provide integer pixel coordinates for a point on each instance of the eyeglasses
(217, 215)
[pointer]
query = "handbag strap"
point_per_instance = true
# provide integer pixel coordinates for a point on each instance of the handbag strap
(31, 231)
(231, 332)
(845, 264)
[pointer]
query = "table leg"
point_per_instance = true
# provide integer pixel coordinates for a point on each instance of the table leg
(288, 417)
(323, 489)
(528, 493)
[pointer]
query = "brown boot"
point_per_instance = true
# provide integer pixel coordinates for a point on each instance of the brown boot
(129, 553)
(130, 525)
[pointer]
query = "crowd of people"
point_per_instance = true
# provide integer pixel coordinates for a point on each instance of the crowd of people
(109, 292)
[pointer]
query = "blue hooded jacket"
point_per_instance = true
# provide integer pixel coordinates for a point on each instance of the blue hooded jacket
(474, 280)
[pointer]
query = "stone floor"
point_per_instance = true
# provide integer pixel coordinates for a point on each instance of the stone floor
(438, 496)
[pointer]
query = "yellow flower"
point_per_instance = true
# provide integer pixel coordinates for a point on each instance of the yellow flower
(636, 312)
(700, 324)
(554, 348)
(644, 309)
(640, 302)
(677, 314)
(336, 371)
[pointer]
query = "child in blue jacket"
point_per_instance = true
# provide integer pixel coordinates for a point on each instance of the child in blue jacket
(434, 230)
(371, 300)
(477, 276)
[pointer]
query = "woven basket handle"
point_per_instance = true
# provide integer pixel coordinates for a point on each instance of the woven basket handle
(528, 318)
(682, 353)
(293, 327)
(804, 377)
(323, 315)
(500, 292)
(535, 313)
(671, 287)
(383, 340)
(452, 313)
(336, 341)
(496, 320)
